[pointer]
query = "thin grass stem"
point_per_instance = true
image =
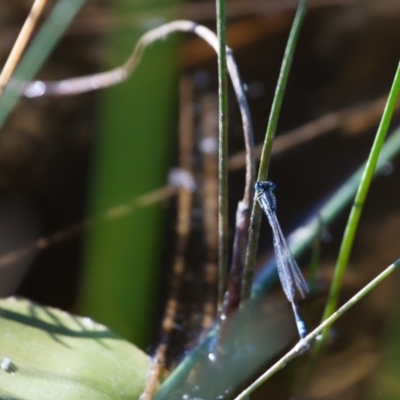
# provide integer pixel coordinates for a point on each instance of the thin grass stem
(265, 156)
(223, 154)
(23, 38)
(51, 31)
(302, 344)
(358, 204)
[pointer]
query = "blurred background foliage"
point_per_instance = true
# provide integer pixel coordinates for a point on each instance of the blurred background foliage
(64, 159)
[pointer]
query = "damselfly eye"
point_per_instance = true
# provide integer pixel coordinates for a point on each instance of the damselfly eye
(270, 185)
(259, 186)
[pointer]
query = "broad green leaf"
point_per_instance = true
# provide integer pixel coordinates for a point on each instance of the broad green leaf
(48, 354)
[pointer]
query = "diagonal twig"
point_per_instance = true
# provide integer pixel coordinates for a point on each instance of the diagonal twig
(304, 343)
(21, 42)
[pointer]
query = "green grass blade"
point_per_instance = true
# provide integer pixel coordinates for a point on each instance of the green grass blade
(270, 134)
(358, 204)
(119, 285)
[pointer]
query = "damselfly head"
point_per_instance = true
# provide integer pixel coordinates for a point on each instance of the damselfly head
(264, 186)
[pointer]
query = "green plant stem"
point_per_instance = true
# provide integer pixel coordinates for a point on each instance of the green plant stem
(20, 44)
(299, 348)
(223, 154)
(358, 204)
(269, 136)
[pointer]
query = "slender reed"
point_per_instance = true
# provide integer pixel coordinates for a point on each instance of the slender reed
(265, 157)
(358, 204)
(223, 154)
(302, 344)
(20, 44)
(51, 31)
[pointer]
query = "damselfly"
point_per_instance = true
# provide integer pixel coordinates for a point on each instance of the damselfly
(288, 270)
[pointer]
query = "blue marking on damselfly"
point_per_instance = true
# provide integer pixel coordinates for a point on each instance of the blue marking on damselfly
(289, 272)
